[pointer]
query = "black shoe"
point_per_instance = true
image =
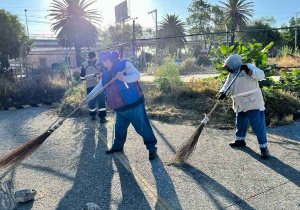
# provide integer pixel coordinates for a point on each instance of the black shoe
(110, 151)
(93, 118)
(103, 120)
(238, 143)
(264, 153)
(152, 156)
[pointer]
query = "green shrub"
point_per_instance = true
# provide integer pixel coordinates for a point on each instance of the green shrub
(151, 68)
(189, 65)
(204, 61)
(167, 76)
(280, 103)
(252, 53)
(76, 76)
(286, 50)
(289, 81)
(197, 97)
(72, 98)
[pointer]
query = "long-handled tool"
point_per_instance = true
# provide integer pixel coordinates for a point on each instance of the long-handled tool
(188, 147)
(25, 150)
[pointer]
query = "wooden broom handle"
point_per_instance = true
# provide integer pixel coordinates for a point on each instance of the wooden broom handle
(231, 83)
(217, 103)
(107, 84)
(56, 125)
(213, 109)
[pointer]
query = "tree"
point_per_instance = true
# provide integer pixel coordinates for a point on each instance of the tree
(289, 35)
(12, 35)
(237, 13)
(75, 24)
(148, 33)
(205, 17)
(169, 27)
(119, 34)
(264, 36)
(119, 37)
(268, 20)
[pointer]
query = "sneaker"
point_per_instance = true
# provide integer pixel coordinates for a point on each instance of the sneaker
(110, 151)
(264, 153)
(103, 120)
(152, 156)
(238, 143)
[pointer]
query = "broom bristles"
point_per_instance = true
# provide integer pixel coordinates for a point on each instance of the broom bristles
(187, 149)
(20, 153)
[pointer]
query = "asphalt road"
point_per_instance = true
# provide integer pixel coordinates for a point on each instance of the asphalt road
(71, 169)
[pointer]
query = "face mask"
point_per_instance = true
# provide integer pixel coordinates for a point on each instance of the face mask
(229, 69)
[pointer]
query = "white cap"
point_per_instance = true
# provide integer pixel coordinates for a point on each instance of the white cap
(234, 61)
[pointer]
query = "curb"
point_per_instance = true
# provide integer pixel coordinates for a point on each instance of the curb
(24, 106)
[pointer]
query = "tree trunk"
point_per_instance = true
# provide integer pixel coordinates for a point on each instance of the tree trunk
(232, 38)
(78, 56)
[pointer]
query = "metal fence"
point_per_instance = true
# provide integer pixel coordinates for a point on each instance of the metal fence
(202, 47)
(198, 51)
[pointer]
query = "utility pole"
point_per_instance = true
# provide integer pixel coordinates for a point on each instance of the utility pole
(26, 46)
(156, 29)
(227, 36)
(25, 10)
(133, 40)
(296, 30)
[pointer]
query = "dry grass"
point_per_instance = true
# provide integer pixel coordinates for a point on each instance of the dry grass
(43, 89)
(187, 104)
(286, 61)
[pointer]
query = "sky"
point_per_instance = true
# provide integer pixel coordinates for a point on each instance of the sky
(39, 23)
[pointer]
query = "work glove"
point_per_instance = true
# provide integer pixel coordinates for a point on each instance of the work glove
(222, 95)
(245, 68)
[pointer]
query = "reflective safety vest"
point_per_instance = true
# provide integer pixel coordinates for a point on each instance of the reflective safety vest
(90, 72)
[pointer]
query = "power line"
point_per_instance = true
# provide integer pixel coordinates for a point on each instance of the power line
(22, 8)
(219, 32)
(35, 21)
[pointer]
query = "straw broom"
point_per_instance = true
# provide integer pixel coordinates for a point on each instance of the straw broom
(20, 153)
(189, 146)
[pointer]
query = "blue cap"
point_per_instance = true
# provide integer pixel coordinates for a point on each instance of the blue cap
(105, 55)
(113, 56)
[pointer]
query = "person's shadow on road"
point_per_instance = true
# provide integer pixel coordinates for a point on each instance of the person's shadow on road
(277, 165)
(165, 186)
(213, 189)
(132, 195)
(94, 174)
(94, 177)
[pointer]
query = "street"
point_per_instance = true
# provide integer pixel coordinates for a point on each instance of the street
(71, 167)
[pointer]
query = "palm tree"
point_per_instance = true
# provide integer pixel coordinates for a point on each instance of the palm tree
(75, 24)
(172, 26)
(238, 13)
